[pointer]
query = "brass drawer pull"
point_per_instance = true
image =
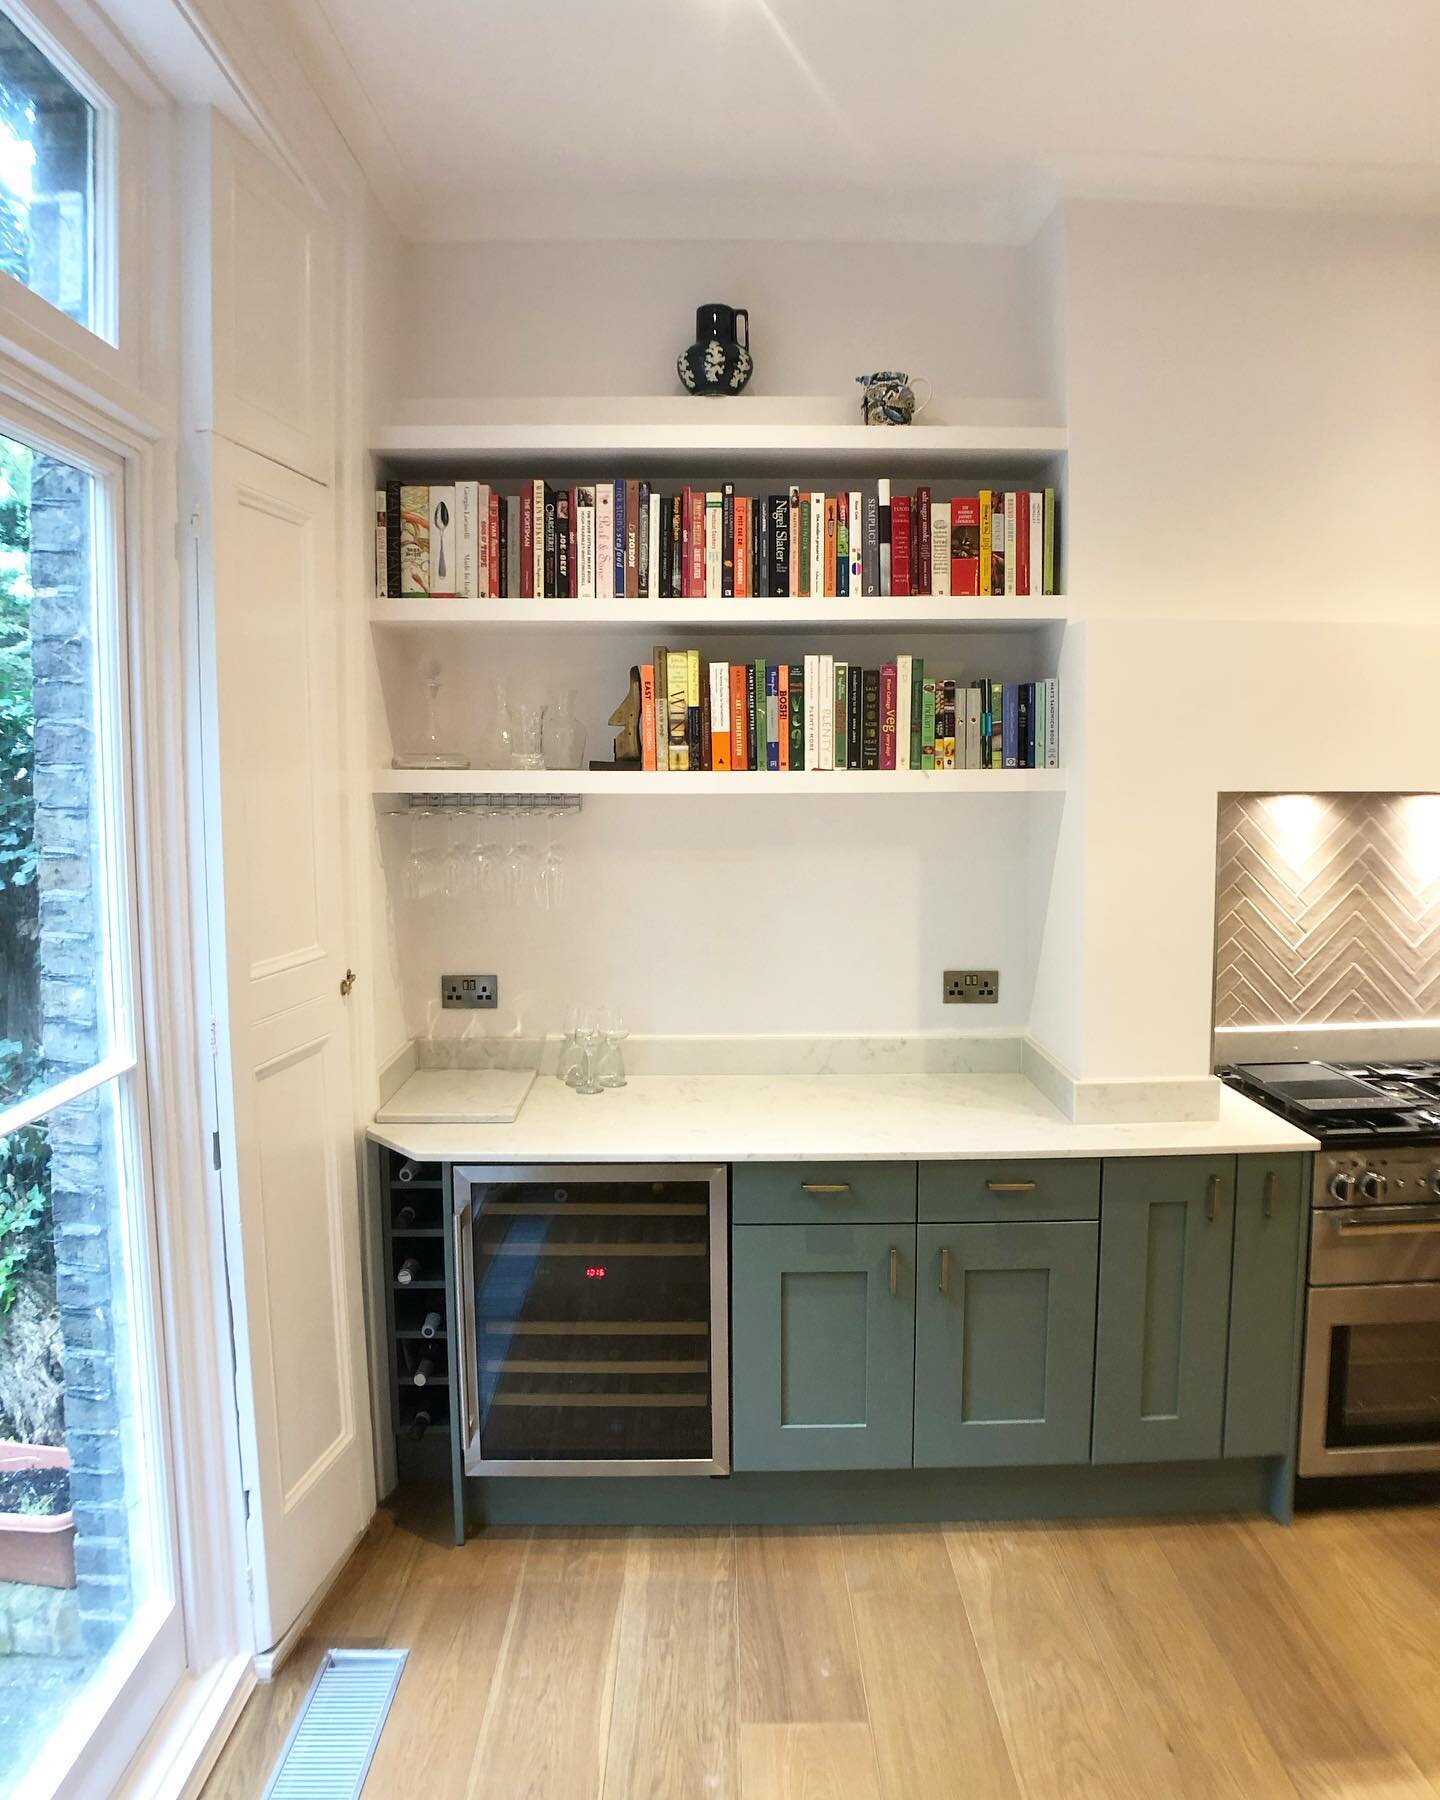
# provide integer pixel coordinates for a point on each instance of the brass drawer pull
(824, 1187)
(894, 1270)
(1011, 1187)
(1268, 1193)
(944, 1268)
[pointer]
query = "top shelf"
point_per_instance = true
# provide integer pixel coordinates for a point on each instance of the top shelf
(712, 430)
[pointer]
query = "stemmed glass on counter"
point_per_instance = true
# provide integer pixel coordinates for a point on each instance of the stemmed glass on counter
(590, 1059)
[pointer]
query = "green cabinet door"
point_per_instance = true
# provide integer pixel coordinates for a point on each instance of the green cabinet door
(1260, 1384)
(1004, 1344)
(1166, 1227)
(823, 1335)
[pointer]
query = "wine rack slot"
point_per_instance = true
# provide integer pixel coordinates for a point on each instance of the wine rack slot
(413, 1213)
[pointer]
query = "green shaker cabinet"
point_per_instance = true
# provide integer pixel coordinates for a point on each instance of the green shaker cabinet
(823, 1333)
(1264, 1303)
(1004, 1344)
(1166, 1230)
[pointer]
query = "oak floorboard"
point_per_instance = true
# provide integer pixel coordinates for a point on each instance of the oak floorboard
(673, 1721)
(546, 1725)
(808, 1762)
(1165, 1667)
(799, 1663)
(932, 1719)
(1323, 1726)
(1065, 1727)
(1366, 1593)
(453, 1621)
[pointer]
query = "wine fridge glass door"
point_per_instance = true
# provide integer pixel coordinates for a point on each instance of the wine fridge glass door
(593, 1302)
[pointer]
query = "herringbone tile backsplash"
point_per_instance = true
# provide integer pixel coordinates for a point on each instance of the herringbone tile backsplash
(1327, 909)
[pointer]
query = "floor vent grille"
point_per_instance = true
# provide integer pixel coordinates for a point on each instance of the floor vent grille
(332, 1742)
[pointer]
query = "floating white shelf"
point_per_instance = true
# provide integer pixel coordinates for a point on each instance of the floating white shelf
(873, 782)
(745, 442)
(730, 615)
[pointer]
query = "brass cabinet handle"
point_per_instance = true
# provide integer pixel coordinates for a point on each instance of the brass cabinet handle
(1011, 1187)
(824, 1187)
(1212, 1197)
(894, 1270)
(347, 981)
(944, 1268)
(1268, 1194)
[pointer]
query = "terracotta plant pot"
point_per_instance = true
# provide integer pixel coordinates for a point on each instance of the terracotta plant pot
(34, 1548)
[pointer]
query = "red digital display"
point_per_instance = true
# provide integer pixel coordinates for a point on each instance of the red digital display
(596, 1272)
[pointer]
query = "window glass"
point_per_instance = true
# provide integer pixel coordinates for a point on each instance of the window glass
(47, 169)
(55, 1013)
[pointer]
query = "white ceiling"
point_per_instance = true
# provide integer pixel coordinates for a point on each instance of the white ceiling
(895, 119)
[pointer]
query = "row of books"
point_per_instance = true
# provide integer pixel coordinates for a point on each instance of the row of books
(624, 540)
(822, 714)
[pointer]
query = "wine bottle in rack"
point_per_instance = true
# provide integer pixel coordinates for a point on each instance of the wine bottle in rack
(408, 1271)
(432, 1325)
(408, 1171)
(404, 1216)
(424, 1371)
(420, 1422)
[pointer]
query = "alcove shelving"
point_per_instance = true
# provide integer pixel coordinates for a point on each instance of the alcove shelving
(761, 450)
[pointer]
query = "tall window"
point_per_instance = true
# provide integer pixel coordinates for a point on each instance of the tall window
(84, 1562)
(47, 179)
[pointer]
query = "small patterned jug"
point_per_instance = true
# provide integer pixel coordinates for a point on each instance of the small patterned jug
(889, 398)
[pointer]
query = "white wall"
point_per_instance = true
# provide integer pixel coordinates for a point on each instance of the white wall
(1254, 411)
(596, 318)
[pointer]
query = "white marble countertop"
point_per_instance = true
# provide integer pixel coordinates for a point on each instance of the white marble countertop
(852, 1118)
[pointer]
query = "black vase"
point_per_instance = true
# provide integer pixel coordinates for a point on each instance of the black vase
(717, 362)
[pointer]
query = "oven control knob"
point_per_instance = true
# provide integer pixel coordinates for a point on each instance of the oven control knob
(1372, 1186)
(1342, 1187)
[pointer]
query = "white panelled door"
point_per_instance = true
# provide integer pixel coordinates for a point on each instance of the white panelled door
(288, 1167)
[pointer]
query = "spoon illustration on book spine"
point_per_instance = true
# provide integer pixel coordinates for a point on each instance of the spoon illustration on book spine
(442, 519)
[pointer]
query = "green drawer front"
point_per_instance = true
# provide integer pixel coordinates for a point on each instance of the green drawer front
(840, 1193)
(993, 1193)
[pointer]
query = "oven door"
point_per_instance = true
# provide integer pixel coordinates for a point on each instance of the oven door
(1370, 1403)
(593, 1309)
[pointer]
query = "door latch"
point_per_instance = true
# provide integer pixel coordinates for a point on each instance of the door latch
(347, 983)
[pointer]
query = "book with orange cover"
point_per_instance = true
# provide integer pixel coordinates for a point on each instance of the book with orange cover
(742, 546)
(782, 714)
(647, 716)
(831, 528)
(739, 745)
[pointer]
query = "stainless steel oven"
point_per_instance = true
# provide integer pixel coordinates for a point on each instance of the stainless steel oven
(594, 1306)
(1370, 1400)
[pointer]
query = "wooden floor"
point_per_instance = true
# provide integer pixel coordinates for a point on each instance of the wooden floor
(1208, 1658)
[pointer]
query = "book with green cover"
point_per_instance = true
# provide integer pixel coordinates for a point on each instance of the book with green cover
(927, 726)
(842, 716)
(804, 546)
(797, 715)
(917, 710)
(761, 717)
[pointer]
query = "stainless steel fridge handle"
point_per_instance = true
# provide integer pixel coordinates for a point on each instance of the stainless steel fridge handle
(467, 1349)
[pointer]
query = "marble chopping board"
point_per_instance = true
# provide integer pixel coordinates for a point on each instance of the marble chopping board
(458, 1097)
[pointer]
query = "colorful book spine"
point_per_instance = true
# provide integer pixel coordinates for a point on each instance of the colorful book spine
(940, 548)
(743, 554)
(971, 756)
(414, 539)
(1011, 519)
(647, 716)
(870, 719)
(754, 720)
(493, 512)
(927, 726)
(916, 710)
(804, 541)
(885, 564)
(782, 716)
(902, 711)
(779, 508)
(699, 563)
(900, 549)
(705, 745)
(1022, 543)
(442, 542)
(739, 742)
(727, 541)
(870, 554)
(1048, 572)
(798, 691)
(394, 581)
(382, 583)
(772, 714)
(797, 546)
(825, 720)
(831, 549)
(585, 543)
(889, 720)
(1052, 723)
(965, 546)
(950, 714)
(537, 539)
(920, 552)
(1027, 725)
(654, 513)
(855, 693)
(1010, 726)
(621, 503)
(985, 505)
(562, 544)
(1035, 587)
(604, 541)
(676, 711)
(856, 585)
(842, 716)
(714, 544)
(692, 709)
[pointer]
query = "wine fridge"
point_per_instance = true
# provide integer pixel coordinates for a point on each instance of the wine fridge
(594, 1309)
